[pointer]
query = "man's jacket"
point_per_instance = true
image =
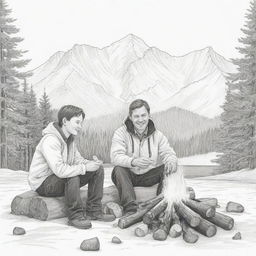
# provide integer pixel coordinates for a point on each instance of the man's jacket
(55, 155)
(126, 145)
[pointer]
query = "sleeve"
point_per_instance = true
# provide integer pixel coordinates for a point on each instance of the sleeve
(78, 158)
(166, 152)
(118, 151)
(51, 150)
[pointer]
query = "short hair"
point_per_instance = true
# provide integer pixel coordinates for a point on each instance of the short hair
(69, 111)
(138, 104)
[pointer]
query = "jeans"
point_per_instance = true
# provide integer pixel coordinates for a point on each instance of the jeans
(125, 180)
(54, 186)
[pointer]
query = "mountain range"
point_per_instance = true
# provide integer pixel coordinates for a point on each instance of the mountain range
(104, 80)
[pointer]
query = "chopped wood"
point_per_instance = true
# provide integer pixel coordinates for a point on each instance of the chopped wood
(189, 236)
(127, 221)
(142, 230)
(209, 201)
(32, 205)
(184, 212)
(164, 228)
(237, 236)
(222, 220)
(176, 229)
(206, 228)
(155, 211)
(203, 209)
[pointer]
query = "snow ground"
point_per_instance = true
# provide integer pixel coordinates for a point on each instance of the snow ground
(56, 238)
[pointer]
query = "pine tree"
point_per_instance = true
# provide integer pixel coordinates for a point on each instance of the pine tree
(10, 64)
(45, 110)
(237, 134)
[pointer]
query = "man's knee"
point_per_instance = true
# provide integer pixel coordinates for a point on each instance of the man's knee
(73, 180)
(118, 172)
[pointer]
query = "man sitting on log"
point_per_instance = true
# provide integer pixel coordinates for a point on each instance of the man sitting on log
(58, 169)
(136, 148)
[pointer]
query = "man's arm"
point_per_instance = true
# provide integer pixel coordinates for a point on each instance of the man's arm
(51, 150)
(166, 152)
(118, 152)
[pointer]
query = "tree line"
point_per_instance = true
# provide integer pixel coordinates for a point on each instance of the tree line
(237, 136)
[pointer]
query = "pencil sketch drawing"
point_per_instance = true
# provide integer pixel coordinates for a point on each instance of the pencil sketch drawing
(128, 127)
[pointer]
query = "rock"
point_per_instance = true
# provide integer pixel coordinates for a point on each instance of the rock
(92, 244)
(114, 209)
(19, 231)
(234, 207)
(237, 236)
(116, 240)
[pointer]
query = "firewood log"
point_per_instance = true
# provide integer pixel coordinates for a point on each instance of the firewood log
(191, 192)
(149, 201)
(154, 225)
(222, 220)
(209, 201)
(203, 209)
(155, 211)
(163, 231)
(142, 230)
(206, 228)
(189, 236)
(184, 212)
(127, 221)
(45, 208)
(176, 229)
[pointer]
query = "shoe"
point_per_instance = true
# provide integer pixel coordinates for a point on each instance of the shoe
(80, 222)
(130, 209)
(101, 217)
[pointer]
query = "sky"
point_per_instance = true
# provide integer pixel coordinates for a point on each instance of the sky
(175, 26)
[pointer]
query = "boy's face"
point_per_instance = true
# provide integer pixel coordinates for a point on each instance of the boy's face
(140, 118)
(74, 125)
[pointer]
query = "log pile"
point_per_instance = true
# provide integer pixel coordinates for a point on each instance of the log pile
(189, 218)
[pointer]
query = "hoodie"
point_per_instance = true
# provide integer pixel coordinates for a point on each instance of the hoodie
(126, 145)
(57, 155)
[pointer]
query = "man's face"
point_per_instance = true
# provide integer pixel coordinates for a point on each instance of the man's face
(74, 125)
(140, 117)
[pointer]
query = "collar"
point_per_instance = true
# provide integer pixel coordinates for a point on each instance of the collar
(149, 130)
(67, 140)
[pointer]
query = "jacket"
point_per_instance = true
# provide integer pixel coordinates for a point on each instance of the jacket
(126, 146)
(55, 155)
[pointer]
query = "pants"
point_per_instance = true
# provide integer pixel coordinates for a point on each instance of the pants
(54, 186)
(125, 180)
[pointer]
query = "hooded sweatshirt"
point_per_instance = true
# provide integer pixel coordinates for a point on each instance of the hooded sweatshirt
(55, 154)
(126, 145)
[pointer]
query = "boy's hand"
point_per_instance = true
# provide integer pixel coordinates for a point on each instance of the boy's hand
(95, 158)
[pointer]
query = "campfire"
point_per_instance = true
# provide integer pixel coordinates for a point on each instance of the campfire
(177, 212)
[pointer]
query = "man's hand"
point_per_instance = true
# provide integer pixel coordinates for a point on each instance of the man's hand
(94, 165)
(142, 162)
(170, 168)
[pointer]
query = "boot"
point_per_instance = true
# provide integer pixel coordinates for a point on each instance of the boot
(80, 222)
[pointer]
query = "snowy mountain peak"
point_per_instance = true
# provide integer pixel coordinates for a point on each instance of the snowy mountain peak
(113, 76)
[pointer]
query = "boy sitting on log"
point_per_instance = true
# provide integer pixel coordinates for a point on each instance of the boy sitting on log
(58, 169)
(135, 150)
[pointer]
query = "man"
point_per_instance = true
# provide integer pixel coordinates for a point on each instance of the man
(136, 150)
(58, 169)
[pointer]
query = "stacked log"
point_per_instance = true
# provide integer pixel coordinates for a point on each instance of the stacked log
(190, 218)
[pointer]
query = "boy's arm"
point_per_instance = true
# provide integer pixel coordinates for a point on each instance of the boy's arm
(118, 152)
(51, 150)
